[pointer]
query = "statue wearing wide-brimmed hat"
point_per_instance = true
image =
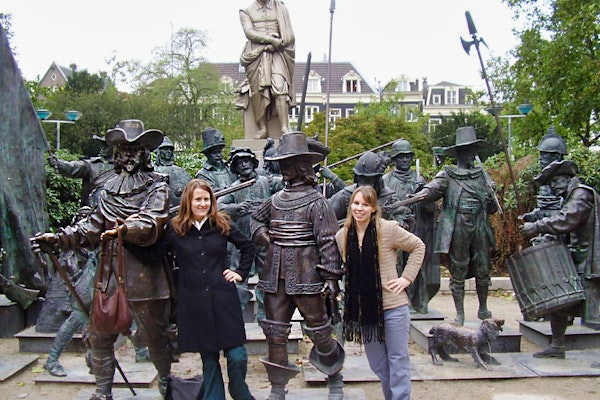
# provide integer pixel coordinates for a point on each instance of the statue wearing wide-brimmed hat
(214, 171)
(298, 226)
(135, 202)
(464, 232)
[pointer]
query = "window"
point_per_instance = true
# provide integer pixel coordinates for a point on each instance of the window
(436, 99)
(451, 96)
(432, 123)
(334, 114)
(314, 83)
(403, 86)
(309, 113)
(293, 115)
(411, 114)
(350, 111)
(351, 86)
(351, 83)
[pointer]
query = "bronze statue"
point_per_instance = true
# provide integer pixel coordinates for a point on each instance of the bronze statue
(271, 168)
(56, 306)
(476, 342)
(214, 171)
(464, 232)
(268, 58)
(369, 170)
(77, 319)
(552, 148)
(94, 172)
(240, 205)
(577, 225)
(404, 182)
(303, 263)
(136, 202)
(165, 164)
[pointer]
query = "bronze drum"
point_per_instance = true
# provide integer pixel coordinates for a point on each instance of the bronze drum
(544, 279)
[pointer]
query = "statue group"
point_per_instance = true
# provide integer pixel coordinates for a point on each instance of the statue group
(281, 226)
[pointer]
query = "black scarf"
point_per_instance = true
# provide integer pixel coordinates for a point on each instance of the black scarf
(363, 311)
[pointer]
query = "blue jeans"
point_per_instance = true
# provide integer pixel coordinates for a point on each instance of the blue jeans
(237, 367)
(389, 360)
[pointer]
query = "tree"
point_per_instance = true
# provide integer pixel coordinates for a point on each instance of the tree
(84, 82)
(556, 64)
(371, 126)
(190, 90)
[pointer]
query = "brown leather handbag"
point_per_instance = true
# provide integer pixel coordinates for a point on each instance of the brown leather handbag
(110, 313)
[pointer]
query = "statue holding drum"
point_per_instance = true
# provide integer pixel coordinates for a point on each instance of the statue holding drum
(571, 266)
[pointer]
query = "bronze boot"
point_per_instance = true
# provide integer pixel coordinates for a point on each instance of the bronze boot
(482, 294)
(458, 294)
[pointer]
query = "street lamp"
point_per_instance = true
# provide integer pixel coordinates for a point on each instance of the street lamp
(524, 109)
(71, 116)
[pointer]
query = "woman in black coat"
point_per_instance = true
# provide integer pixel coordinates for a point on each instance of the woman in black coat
(209, 315)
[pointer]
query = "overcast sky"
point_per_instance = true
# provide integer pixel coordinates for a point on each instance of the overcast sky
(381, 38)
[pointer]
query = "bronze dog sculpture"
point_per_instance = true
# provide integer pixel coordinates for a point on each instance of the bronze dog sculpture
(476, 342)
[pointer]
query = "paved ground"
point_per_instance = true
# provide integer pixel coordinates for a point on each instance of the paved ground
(469, 385)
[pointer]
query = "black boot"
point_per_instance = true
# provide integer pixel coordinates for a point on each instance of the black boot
(558, 325)
(335, 384)
(458, 294)
(482, 295)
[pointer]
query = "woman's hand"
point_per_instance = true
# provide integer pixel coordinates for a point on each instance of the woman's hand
(398, 285)
(232, 276)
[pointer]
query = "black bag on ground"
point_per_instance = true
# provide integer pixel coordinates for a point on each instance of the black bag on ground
(185, 389)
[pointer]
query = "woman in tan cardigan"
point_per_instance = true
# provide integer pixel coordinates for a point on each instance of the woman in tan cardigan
(376, 304)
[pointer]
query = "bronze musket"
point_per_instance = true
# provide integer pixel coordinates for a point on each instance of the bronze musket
(223, 192)
(360, 154)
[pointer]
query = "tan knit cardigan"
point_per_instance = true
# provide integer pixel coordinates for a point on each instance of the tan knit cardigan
(391, 238)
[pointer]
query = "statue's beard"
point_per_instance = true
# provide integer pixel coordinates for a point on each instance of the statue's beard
(131, 167)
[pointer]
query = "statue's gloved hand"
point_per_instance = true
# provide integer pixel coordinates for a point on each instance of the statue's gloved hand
(113, 233)
(528, 229)
(326, 172)
(527, 217)
(332, 286)
(50, 239)
(263, 239)
(53, 161)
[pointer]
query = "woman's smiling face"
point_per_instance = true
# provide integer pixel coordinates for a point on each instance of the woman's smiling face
(200, 204)
(361, 210)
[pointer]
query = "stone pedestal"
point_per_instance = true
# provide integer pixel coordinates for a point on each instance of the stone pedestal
(576, 337)
(12, 317)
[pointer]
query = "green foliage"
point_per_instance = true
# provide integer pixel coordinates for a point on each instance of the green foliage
(84, 82)
(62, 194)
(587, 163)
(556, 65)
(190, 159)
(372, 126)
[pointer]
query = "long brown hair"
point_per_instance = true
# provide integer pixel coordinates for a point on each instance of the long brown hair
(184, 220)
(370, 195)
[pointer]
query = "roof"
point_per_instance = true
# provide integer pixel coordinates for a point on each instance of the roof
(338, 71)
